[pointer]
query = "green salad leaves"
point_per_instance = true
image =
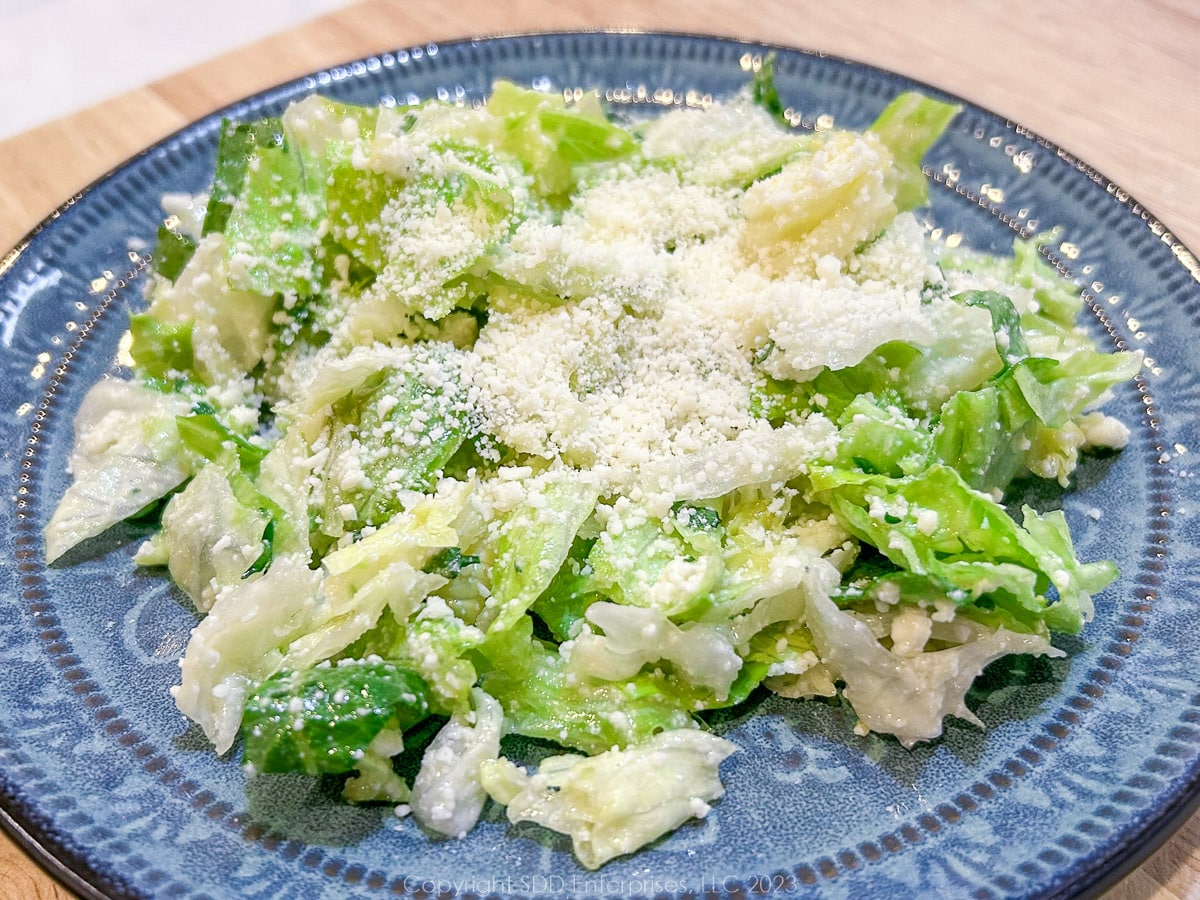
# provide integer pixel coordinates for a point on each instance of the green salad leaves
(470, 421)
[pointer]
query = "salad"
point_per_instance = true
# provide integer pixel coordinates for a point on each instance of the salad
(466, 421)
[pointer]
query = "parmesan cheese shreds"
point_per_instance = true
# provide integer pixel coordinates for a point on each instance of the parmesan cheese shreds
(473, 420)
(654, 362)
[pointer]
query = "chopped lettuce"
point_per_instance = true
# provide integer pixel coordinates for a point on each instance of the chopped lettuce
(935, 524)
(237, 145)
(215, 538)
(325, 718)
(160, 349)
(469, 420)
(205, 329)
(534, 543)
(127, 455)
(274, 225)
(448, 792)
(616, 801)
(730, 148)
(392, 435)
(242, 642)
(555, 141)
(671, 564)
(825, 202)
(997, 431)
(543, 698)
(902, 690)
(631, 637)
(909, 126)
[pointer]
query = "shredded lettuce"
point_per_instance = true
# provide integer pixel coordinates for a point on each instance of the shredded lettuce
(127, 455)
(616, 801)
(909, 126)
(462, 421)
(448, 793)
(324, 719)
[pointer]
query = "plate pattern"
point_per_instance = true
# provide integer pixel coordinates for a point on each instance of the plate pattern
(1086, 760)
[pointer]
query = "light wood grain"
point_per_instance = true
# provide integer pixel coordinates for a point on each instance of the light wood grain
(19, 882)
(1116, 83)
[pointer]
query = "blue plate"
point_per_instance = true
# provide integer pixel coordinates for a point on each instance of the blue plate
(1087, 762)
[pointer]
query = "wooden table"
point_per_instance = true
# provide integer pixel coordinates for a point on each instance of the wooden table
(1116, 82)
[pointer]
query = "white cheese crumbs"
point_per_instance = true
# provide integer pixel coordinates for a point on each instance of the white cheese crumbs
(1100, 430)
(927, 521)
(911, 629)
(653, 362)
(888, 593)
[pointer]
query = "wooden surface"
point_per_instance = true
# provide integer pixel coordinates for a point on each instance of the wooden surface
(1116, 83)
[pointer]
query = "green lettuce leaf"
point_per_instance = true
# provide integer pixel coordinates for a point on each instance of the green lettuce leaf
(933, 523)
(324, 719)
(237, 145)
(160, 349)
(620, 800)
(553, 141)
(172, 252)
(542, 699)
(909, 126)
(534, 543)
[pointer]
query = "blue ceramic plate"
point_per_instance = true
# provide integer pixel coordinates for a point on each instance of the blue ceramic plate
(1086, 763)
